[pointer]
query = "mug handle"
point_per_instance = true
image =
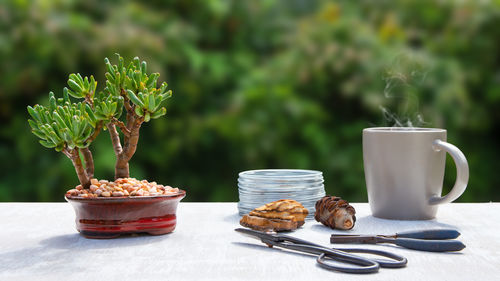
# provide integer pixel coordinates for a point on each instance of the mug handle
(462, 172)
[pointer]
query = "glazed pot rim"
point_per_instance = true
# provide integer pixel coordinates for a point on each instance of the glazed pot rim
(181, 193)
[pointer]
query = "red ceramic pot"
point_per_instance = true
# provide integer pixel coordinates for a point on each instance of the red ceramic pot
(109, 217)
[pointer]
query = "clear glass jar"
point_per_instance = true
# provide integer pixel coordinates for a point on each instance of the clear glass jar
(258, 187)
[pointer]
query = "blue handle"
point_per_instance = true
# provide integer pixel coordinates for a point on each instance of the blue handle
(436, 234)
(429, 245)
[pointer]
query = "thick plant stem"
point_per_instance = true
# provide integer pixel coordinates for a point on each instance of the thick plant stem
(121, 169)
(74, 156)
(96, 132)
(131, 142)
(130, 138)
(115, 139)
(130, 146)
(89, 162)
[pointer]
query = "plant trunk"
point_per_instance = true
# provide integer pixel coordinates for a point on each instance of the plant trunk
(89, 162)
(80, 171)
(122, 167)
(115, 138)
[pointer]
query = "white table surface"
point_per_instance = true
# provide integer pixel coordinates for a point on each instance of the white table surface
(38, 241)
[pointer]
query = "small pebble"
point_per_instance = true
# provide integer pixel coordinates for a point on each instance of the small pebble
(121, 187)
(73, 192)
(118, 193)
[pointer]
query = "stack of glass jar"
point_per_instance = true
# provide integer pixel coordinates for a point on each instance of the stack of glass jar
(258, 187)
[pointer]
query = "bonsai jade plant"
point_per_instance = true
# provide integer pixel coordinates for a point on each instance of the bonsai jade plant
(70, 127)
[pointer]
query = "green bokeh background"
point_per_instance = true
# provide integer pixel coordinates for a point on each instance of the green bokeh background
(257, 84)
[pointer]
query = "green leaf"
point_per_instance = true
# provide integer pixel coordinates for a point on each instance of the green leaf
(147, 117)
(168, 94)
(127, 82)
(137, 63)
(66, 95)
(110, 77)
(52, 101)
(100, 116)
(75, 87)
(120, 61)
(111, 89)
(59, 147)
(143, 68)
(163, 88)
(137, 77)
(73, 94)
(47, 144)
(141, 97)
(134, 98)
(60, 122)
(34, 114)
(90, 115)
(93, 86)
(65, 135)
(158, 102)
(82, 130)
(159, 113)
(110, 68)
(75, 126)
(86, 83)
(135, 86)
(138, 111)
(152, 80)
(33, 124)
(67, 114)
(118, 81)
(86, 134)
(151, 105)
(113, 107)
(79, 79)
(39, 134)
(51, 134)
(104, 109)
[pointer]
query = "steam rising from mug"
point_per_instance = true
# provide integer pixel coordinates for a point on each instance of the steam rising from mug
(404, 79)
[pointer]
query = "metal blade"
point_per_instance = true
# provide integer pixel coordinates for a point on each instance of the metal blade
(354, 239)
(257, 234)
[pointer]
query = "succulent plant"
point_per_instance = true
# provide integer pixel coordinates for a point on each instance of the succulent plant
(71, 127)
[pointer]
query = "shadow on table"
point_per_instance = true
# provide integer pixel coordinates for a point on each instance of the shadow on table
(376, 225)
(263, 247)
(77, 242)
(65, 250)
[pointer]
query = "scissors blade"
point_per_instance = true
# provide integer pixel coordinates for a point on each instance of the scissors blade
(355, 239)
(258, 234)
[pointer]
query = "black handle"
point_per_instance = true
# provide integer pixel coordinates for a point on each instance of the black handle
(429, 245)
(435, 234)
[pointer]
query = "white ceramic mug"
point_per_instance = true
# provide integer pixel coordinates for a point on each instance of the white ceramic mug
(404, 171)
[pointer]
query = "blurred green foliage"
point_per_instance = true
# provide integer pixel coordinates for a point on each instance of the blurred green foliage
(259, 84)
